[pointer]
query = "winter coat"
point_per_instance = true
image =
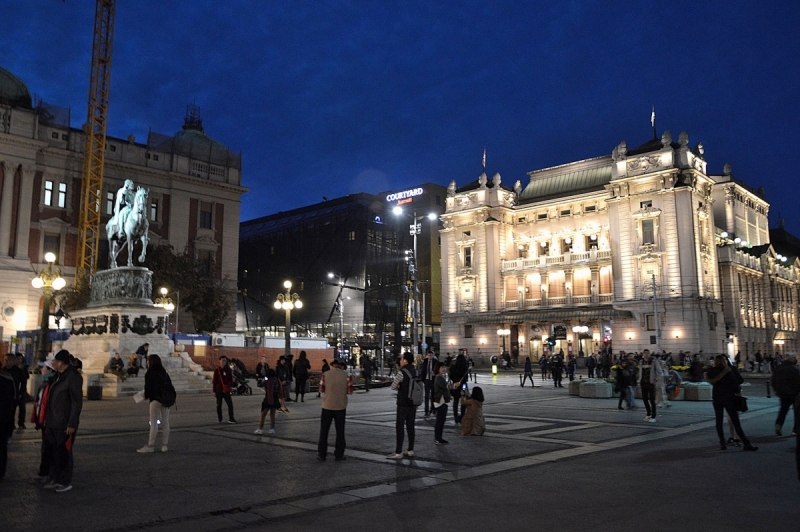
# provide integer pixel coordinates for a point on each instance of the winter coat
(66, 401)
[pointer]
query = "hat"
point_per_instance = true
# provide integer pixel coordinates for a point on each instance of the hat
(48, 362)
(63, 356)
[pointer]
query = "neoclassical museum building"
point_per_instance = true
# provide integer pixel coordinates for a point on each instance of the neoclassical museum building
(642, 248)
(194, 200)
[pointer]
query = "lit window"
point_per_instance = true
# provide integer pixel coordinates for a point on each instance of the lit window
(648, 232)
(48, 193)
(109, 203)
(645, 204)
(351, 236)
(62, 195)
(154, 210)
(468, 257)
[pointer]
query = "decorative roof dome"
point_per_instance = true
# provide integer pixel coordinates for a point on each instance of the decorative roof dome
(13, 91)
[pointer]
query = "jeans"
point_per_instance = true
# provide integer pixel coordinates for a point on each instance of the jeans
(649, 398)
(631, 396)
(441, 418)
(457, 404)
(787, 401)
(623, 396)
(328, 416)
(158, 410)
(730, 408)
(228, 401)
(526, 377)
(403, 423)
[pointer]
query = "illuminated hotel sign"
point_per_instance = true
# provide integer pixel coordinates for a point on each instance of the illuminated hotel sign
(404, 195)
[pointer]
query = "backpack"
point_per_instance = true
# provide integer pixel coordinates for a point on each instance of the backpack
(416, 390)
(168, 395)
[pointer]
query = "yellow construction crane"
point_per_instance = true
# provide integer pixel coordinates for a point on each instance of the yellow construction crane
(94, 149)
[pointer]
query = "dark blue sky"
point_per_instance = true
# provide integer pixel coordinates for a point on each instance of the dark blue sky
(332, 98)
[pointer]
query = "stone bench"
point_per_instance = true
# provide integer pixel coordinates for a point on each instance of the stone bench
(697, 392)
(596, 390)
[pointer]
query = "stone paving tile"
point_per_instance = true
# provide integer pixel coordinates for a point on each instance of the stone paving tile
(205, 524)
(324, 501)
(375, 491)
(244, 517)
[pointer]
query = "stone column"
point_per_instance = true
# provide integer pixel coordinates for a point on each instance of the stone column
(6, 204)
(545, 287)
(568, 285)
(24, 223)
(595, 283)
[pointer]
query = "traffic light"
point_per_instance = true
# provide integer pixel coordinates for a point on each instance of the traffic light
(550, 341)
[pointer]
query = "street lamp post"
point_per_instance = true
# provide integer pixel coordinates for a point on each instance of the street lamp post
(287, 302)
(415, 229)
(49, 280)
(340, 309)
(166, 303)
(502, 333)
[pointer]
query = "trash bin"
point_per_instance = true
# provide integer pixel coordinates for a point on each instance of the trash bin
(94, 392)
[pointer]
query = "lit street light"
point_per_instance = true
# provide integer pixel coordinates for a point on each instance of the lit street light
(166, 303)
(49, 280)
(502, 333)
(415, 229)
(287, 302)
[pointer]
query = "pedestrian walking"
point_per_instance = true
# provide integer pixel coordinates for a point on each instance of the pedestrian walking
(406, 409)
(726, 381)
(543, 366)
(366, 371)
(786, 383)
(272, 399)
(556, 368)
(158, 389)
(427, 372)
(458, 376)
(591, 363)
(221, 386)
(527, 372)
(334, 409)
(61, 420)
(301, 369)
(650, 373)
(441, 396)
(621, 383)
(20, 374)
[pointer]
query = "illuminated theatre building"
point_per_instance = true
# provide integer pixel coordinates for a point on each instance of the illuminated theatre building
(616, 250)
(194, 200)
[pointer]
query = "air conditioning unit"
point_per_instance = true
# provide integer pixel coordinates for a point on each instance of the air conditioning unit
(219, 341)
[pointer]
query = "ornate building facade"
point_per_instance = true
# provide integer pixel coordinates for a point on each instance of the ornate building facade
(194, 200)
(642, 248)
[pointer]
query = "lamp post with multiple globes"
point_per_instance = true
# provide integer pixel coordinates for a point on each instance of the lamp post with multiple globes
(287, 302)
(166, 303)
(50, 281)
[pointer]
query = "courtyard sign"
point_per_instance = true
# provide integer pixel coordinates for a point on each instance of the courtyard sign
(406, 194)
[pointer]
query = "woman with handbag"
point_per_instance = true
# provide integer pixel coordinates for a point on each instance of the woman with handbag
(441, 396)
(726, 381)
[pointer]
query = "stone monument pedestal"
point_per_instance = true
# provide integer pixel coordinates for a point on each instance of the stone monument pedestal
(119, 318)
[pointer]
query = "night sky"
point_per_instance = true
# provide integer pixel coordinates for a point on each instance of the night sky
(333, 98)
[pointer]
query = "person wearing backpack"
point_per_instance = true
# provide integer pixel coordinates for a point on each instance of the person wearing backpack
(404, 382)
(159, 390)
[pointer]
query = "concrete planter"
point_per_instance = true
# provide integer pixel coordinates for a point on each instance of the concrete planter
(596, 390)
(575, 388)
(697, 392)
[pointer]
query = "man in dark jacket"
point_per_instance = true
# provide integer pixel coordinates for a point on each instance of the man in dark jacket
(20, 374)
(427, 375)
(61, 420)
(726, 380)
(366, 371)
(406, 410)
(786, 382)
(8, 402)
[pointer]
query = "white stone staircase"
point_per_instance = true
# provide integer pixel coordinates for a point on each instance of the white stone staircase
(187, 378)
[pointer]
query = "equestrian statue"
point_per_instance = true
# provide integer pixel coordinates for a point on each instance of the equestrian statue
(128, 223)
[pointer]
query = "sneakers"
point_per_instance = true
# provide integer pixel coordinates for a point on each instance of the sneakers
(647, 418)
(272, 431)
(164, 448)
(258, 431)
(778, 430)
(50, 485)
(409, 453)
(60, 488)
(396, 456)
(441, 442)
(651, 420)
(749, 447)
(232, 422)
(146, 449)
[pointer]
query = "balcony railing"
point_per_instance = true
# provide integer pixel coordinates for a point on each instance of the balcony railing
(576, 301)
(588, 257)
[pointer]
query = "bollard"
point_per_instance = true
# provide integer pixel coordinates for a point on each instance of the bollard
(520, 379)
(768, 395)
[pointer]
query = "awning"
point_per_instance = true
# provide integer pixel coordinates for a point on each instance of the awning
(584, 314)
(785, 335)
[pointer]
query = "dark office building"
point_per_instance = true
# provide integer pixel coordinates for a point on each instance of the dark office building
(351, 249)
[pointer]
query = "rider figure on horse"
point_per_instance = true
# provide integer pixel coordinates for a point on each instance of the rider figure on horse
(122, 207)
